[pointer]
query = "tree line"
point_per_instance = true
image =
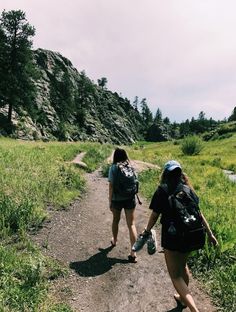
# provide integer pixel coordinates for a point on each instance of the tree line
(159, 128)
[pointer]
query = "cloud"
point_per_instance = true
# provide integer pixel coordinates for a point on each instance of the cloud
(180, 55)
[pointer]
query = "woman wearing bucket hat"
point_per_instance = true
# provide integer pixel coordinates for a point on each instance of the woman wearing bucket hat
(176, 252)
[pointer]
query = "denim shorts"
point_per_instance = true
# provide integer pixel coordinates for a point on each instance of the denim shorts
(126, 204)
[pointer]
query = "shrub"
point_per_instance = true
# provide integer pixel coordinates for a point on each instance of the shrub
(176, 142)
(192, 145)
(217, 162)
(225, 136)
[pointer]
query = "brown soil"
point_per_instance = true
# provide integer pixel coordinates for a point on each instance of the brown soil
(101, 279)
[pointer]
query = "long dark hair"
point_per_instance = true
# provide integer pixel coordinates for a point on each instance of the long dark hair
(174, 177)
(120, 155)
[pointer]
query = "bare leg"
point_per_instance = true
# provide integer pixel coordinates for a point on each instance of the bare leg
(129, 214)
(177, 268)
(115, 224)
(186, 279)
(186, 274)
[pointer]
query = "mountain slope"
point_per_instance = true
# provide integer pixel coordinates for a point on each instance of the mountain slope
(69, 106)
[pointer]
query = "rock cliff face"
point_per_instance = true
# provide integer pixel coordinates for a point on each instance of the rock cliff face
(69, 106)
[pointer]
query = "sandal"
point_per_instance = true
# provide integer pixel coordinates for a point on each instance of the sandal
(132, 259)
(179, 303)
(112, 243)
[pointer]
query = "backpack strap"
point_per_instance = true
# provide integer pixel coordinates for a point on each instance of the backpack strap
(116, 176)
(170, 195)
(139, 201)
(191, 193)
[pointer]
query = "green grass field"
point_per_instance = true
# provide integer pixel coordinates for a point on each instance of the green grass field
(36, 175)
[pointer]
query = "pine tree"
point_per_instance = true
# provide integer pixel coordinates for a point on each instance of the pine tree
(16, 61)
(146, 113)
(166, 121)
(158, 116)
(136, 103)
(233, 116)
(102, 82)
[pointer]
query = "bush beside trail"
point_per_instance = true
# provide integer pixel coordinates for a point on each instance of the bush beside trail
(191, 145)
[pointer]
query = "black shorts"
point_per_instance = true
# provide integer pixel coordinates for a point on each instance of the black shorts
(126, 204)
(180, 244)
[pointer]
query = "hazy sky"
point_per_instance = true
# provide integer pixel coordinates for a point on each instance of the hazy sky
(179, 54)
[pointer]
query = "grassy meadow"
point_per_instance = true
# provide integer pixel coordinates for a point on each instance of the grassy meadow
(35, 176)
(216, 267)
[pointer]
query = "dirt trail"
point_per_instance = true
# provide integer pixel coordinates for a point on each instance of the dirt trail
(101, 279)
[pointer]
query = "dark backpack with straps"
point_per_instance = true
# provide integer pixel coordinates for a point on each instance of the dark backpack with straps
(126, 182)
(185, 218)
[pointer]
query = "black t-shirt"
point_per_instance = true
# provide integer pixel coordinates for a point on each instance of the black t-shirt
(160, 204)
(159, 200)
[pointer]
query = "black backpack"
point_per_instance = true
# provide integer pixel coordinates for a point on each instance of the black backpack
(185, 218)
(126, 182)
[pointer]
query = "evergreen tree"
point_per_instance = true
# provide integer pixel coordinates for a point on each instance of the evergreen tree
(3, 67)
(184, 128)
(158, 116)
(146, 113)
(166, 121)
(201, 123)
(174, 130)
(233, 116)
(102, 82)
(86, 89)
(16, 62)
(201, 116)
(135, 103)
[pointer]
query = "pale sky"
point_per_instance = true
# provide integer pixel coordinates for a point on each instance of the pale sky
(178, 54)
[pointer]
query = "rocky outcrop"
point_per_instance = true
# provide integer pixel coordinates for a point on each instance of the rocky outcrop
(69, 106)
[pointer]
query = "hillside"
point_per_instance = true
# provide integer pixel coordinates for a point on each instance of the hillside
(69, 106)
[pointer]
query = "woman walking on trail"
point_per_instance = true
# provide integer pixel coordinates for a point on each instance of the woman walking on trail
(119, 199)
(176, 252)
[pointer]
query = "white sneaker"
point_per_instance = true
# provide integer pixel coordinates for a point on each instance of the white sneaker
(152, 243)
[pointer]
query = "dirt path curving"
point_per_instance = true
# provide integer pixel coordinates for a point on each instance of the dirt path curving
(101, 279)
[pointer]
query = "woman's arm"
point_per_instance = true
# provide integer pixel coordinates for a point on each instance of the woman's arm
(210, 235)
(152, 220)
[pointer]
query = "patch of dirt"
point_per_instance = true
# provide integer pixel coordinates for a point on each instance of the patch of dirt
(78, 160)
(101, 279)
(139, 165)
